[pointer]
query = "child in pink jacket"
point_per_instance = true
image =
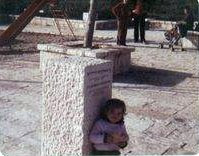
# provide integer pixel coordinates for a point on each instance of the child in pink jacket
(109, 134)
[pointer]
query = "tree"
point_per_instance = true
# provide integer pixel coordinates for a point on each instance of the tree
(88, 38)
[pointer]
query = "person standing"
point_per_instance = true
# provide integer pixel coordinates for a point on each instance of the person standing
(187, 23)
(122, 13)
(139, 21)
(188, 18)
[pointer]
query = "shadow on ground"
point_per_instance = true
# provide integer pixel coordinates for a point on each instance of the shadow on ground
(16, 52)
(151, 76)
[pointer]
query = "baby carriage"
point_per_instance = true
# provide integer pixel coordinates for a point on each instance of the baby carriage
(174, 36)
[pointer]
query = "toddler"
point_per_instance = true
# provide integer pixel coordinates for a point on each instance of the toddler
(108, 134)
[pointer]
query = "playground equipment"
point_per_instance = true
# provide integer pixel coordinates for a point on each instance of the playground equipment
(57, 13)
(25, 17)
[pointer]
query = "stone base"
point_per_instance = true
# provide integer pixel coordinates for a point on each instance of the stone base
(74, 88)
(193, 37)
(119, 55)
(159, 24)
(106, 24)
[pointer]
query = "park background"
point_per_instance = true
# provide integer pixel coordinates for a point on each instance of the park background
(169, 10)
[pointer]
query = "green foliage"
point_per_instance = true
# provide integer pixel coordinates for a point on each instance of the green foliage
(158, 9)
(171, 9)
(75, 8)
(5, 19)
(13, 6)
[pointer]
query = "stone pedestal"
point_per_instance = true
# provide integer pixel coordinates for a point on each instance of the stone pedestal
(73, 90)
(120, 56)
(193, 37)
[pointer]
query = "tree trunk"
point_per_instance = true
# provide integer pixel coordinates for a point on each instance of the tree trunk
(88, 37)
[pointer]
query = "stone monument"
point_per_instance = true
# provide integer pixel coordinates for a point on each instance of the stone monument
(73, 90)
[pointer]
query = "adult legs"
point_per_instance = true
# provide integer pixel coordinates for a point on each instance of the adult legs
(118, 32)
(142, 28)
(136, 26)
(122, 32)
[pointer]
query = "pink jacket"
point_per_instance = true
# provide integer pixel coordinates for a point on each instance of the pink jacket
(102, 127)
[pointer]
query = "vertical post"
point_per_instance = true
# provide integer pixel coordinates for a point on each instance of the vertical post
(88, 37)
(73, 90)
(198, 12)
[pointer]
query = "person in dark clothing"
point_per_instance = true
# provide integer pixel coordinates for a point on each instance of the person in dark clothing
(139, 21)
(187, 23)
(189, 19)
(122, 14)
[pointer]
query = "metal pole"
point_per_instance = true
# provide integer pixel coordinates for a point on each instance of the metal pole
(198, 12)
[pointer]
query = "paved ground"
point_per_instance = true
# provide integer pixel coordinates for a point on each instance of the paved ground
(160, 90)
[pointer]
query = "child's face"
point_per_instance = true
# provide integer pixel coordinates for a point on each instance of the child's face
(115, 115)
(125, 1)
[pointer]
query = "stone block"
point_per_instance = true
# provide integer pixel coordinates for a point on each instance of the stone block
(187, 43)
(193, 37)
(106, 24)
(158, 24)
(55, 52)
(120, 56)
(73, 90)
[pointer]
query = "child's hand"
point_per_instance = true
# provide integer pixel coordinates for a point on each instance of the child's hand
(119, 137)
(122, 144)
(108, 138)
(124, 137)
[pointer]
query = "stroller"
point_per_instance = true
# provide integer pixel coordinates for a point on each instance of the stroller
(174, 36)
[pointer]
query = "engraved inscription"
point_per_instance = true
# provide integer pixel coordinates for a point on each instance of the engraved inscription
(97, 80)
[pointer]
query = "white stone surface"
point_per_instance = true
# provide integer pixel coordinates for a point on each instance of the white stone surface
(187, 43)
(120, 56)
(193, 37)
(158, 24)
(139, 123)
(73, 90)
